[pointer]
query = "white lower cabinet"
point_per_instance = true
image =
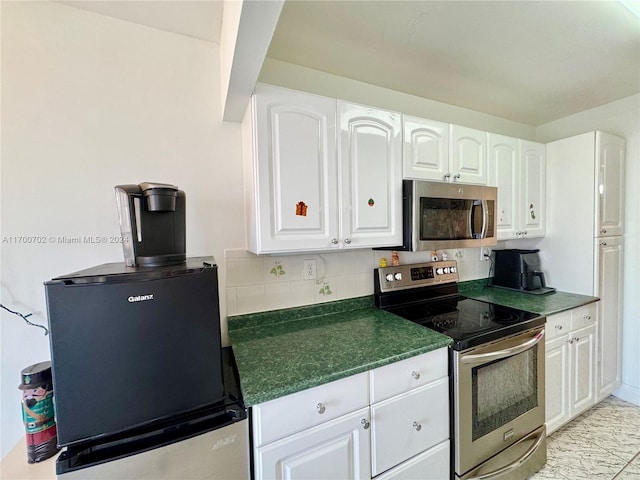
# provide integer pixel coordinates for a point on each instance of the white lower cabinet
(388, 423)
(409, 424)
(339, 448)
(570, 365)
(430, 465)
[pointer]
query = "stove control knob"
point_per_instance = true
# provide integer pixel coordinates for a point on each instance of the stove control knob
(398, 276)
(446, 269)
(389, 277)
(453, 269)
(439, 271)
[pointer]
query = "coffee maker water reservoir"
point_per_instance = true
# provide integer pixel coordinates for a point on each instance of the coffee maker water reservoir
(152, 223)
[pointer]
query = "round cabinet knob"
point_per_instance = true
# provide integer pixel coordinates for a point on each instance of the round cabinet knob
(525, 232)
(389, 277)
(398, 276)
(347, 241)
(570, 340)
(586, 317)
(604, 244)
(558, 327)
(447, 175)
(365, 423)
(334, 241)
(321, 408)
(456, 176)
(415, 375)
(417, 426)
(603, 230)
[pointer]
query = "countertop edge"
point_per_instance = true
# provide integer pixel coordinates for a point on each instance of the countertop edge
(256, 399)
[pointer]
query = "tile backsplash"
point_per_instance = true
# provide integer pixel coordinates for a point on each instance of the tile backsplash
(257, 283)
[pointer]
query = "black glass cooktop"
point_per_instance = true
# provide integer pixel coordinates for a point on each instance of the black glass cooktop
(469, 322)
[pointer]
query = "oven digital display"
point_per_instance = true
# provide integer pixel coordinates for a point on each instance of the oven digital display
(421, 273)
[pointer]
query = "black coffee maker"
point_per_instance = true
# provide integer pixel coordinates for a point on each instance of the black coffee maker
(152, 223)
(520, 270)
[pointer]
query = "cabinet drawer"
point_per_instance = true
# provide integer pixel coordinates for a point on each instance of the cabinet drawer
(405, 426)
(430, 465)
(404, 375)
(283, 416)
(584, 316)
(558, 324)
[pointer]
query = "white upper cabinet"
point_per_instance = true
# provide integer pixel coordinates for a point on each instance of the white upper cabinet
(532, 189)
(370, 153)
(425, 149)
(610, 152)
(295, 168)
(504, 173)
(443, 152)
(516, 167)
(468, 155)
(310, 190)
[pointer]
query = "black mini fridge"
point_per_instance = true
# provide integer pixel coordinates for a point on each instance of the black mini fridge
(133, 346)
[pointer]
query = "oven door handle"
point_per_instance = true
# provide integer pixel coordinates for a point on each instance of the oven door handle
(507, 352)
(512, 466)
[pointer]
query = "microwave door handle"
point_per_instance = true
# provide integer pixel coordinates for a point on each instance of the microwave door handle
(539, 436)
(485, 213)
(507, 352)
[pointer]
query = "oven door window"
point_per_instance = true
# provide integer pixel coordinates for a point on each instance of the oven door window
(450, 219)
(503, 390)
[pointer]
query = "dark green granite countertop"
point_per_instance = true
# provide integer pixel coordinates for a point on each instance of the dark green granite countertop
(542, 304)
(286, 351)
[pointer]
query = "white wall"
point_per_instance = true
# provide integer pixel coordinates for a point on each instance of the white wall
(89, 102)
(621, 118)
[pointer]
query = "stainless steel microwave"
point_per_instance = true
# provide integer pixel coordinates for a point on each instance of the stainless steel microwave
(444, 215)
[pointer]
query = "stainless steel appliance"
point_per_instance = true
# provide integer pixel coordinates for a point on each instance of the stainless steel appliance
(442, 215)
(211, 443)
(142, 386)
(496, 369)
(520, 270)
(152, 223)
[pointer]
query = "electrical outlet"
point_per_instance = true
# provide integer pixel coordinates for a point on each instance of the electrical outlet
(309, 269)
(485, 251)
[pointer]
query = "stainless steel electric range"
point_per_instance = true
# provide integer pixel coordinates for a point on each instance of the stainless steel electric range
(496, 369)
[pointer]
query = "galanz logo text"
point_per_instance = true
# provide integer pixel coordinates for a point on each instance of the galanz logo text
(139, 298)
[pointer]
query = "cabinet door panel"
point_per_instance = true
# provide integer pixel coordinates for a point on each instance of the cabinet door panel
(609, 285)
(336, 449)
(409, 424)
(583, 364)
(296, 170)
(468, 155)
(371, 176)
(426, 149)
(610, 151)
(504, 173)
(557, 410)
(532, 201)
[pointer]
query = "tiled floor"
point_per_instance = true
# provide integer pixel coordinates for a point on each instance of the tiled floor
(603, 443)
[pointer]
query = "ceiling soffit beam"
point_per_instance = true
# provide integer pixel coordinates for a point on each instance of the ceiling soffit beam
(247, 29)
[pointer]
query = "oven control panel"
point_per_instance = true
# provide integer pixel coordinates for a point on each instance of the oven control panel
(416, 275)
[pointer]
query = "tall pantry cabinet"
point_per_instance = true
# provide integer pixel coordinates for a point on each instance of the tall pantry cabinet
(583, 244)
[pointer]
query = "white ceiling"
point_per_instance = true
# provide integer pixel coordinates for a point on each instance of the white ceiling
(527, 61)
